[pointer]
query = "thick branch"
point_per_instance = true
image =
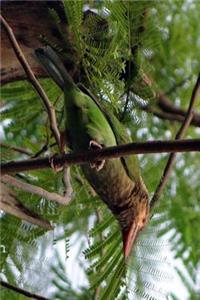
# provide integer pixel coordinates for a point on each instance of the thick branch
(21, 291)
(179, 135)
(31, 77)
(105, 153)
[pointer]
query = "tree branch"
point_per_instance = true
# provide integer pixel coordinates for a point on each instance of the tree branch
(31, 77)
(166, 106)
(179, 135)
(28, 33)
(105, 153)
(64, 200)
(67, 183)
(166, 109)
(178, 85)
(17, 149)
(49, 108)
(21, 291)
(10, 204)
(171, 116)
(99, 218)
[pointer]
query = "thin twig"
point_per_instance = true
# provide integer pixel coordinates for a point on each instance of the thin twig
(104, 153)
(67, 183)
(99, 220)
(17, 149)
(43, 149)
(178, 85)
(21, 291)
(48, 105)
(99, 217)
(179, 135)
(58, 99)
(129, 71)
(31, 77)
(10, 204)
(166, 105)
(64, 200)
(126, 105)
(171, 116)
(168, 110)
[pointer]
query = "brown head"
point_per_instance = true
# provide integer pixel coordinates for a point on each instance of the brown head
(136, 217)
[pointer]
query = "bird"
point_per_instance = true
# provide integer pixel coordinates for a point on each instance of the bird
(90, 125)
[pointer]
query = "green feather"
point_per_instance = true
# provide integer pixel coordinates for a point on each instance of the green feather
(130, 162)
(118, 182)
(84, 119)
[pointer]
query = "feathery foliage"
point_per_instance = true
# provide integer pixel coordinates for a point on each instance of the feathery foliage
(122, 47)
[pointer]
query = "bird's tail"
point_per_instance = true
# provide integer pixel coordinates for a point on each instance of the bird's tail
(54, 66)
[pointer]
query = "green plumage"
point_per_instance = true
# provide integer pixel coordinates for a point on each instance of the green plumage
(118, 183)
(86, 121)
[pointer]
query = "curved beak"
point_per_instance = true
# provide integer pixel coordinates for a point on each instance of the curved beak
(129, 236)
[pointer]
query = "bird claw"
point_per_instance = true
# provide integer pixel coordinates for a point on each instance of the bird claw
(56, 167)
(97, 165)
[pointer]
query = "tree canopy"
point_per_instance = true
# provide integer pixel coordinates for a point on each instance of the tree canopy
(141, 58)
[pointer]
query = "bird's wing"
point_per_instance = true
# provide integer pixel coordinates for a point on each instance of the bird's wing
(130, 162)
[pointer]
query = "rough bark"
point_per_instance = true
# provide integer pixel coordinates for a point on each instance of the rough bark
(29, 21)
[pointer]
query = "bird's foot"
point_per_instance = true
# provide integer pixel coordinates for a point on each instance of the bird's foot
(97, 165)
(56, 167)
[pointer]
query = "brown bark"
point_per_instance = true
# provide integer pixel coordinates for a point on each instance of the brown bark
(165, 109)
(101, 154)
(31, 77)
(11, 205)
(29, 20)
(178, 113)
